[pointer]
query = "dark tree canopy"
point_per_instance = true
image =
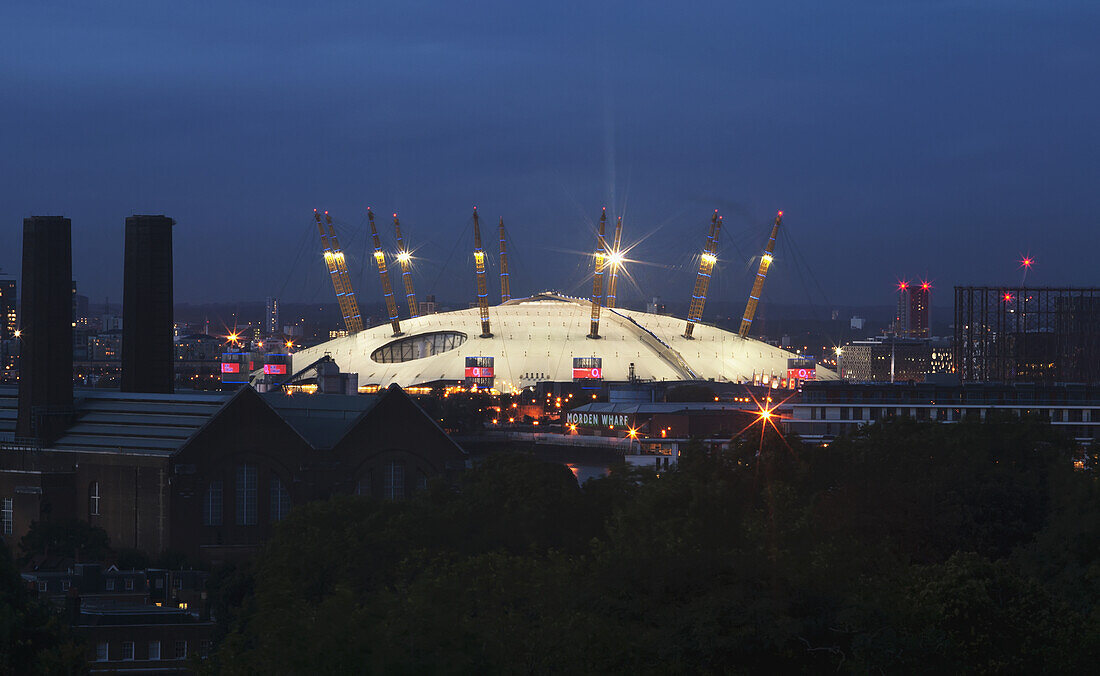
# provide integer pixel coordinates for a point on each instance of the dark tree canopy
(908, 547)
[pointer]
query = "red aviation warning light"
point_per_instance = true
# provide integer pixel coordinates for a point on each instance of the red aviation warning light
(925, 286)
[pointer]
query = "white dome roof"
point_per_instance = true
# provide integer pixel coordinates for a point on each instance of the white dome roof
(536, 339)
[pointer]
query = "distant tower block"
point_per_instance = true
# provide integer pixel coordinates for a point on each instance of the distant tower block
(271, 318)
(919, 299)
(901, 314)
(147, 350)
(46, 357)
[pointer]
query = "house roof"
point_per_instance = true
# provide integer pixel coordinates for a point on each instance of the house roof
(322, 420)
(161, 424)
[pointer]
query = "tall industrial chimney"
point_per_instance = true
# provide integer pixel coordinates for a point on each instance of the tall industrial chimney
(46, 349)
(147, 351)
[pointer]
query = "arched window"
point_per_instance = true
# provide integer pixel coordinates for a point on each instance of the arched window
(212, 504)
(93, 499)
(280, 500)
(247, 485)
(393, 481)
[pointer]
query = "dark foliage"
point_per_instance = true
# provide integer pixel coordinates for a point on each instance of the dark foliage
(71, 538)
(33, 639)
(906, 548)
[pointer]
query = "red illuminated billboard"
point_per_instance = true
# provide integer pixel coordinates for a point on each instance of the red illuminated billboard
(801, 374)
(587, 368)
(229, 367)
(479, 371)
(275, 369)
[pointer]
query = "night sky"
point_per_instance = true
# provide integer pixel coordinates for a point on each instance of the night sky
(922, 139)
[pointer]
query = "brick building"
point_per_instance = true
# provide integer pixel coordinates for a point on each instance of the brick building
(208, 474)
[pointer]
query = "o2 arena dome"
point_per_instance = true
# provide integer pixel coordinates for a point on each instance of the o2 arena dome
(547, 337)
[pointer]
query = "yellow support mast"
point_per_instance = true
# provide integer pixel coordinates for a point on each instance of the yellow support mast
(479, 269)
(405, 259)
(702, 280)
(338, 272)
(614, 261)
(380, 260)
(761, 275)
(597, 279)
(505, 283)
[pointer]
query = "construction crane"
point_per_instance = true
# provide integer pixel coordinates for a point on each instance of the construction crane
(479, 268)
(761, 275)
(338, 272)
(405, 259)
(505, 285)
(380, 260)
(597, 279)
(702, 280)
(614, 261)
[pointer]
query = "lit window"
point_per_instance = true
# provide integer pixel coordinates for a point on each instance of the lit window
(93, 499)
(393, 484)
(7, 515)
(154, 650)
(246, 495)
(280, 500)
(127, 650)
(212, 504)
(101, 651)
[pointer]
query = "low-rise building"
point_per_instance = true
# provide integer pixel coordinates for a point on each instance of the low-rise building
(828, 409)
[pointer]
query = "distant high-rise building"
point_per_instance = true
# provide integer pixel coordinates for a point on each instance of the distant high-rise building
(901, 314)
(80, 325)
(148, 360)
(271, 317)
(8, 319)
(919, 297)
(9, 322)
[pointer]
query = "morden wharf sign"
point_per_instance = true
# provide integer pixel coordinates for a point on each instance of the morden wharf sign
(597, 419)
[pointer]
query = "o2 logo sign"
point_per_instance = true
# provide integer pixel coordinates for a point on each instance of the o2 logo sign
(587, 368)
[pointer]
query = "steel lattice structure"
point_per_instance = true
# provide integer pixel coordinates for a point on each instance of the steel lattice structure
(1019, 334)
